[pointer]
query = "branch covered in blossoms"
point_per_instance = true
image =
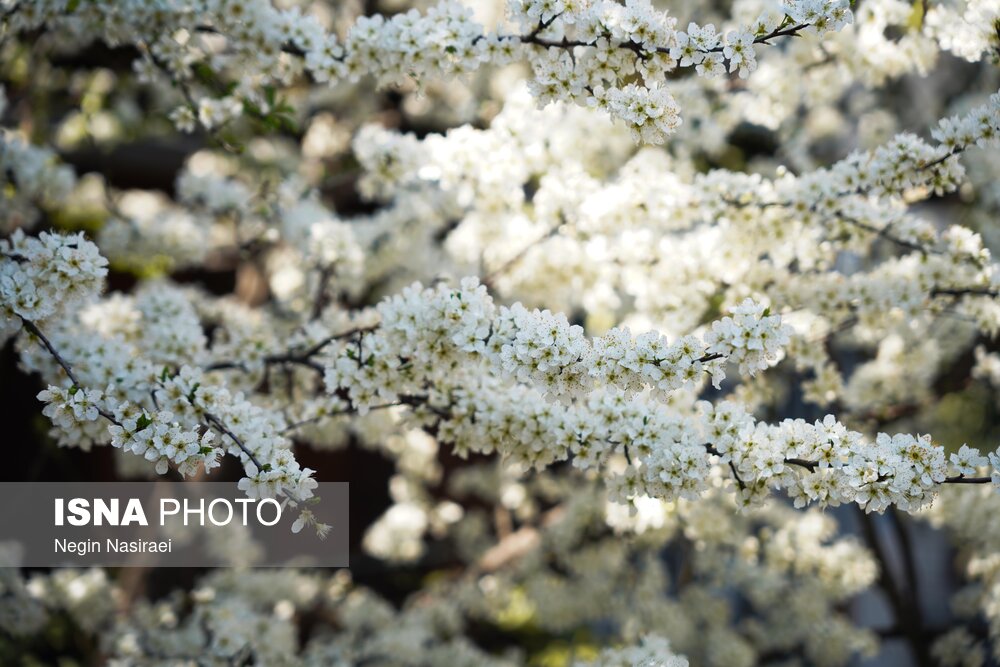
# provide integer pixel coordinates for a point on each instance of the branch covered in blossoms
(40, 279)
(599, 54)
(448, 353)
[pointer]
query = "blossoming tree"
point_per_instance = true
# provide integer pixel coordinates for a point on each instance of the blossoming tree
(651, 307)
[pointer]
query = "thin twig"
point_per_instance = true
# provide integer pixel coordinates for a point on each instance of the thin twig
(217, 423)
(303, 358)
(35, 331)
(965, 291)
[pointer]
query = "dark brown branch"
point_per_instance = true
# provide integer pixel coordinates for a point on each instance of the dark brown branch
(732, 467)
(907, 617)
(338, 413)
(736, 475)
(962, 479)
(884, 233)
(965, 291)
(218, 424)
(811, 466)
(638, 49)
(303, 358)
(803, 463)
(37, 333)
(319, 302)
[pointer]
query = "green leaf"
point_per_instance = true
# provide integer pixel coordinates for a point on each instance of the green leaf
(288, 124)
(203, 72)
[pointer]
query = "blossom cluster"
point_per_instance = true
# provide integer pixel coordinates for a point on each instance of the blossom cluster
(967, 30)
(671, 454)
(42, 276)
(35, 178)
(651, 114)
(652, 651)
(425, 334)
(187, 438)
(832, 464)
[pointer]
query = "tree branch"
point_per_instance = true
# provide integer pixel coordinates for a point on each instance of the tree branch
(37, 333)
